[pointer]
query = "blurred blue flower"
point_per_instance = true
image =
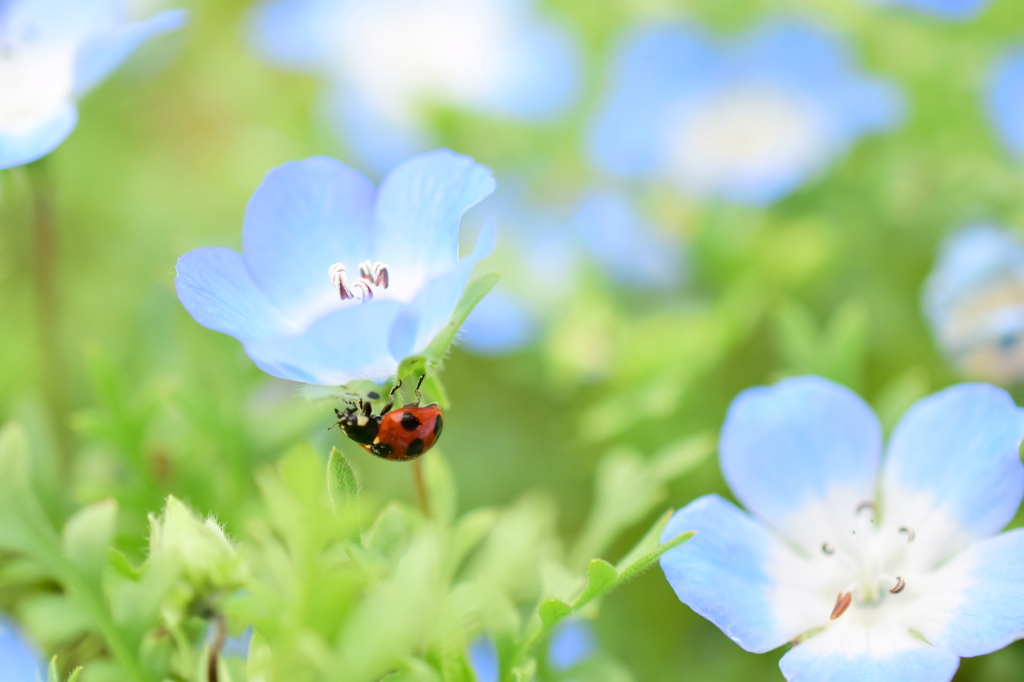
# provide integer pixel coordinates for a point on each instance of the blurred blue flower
(19, 660)
(974, 302)
(51, 53)
(540, 253)
(955, 10)
(388, 62)
(483, 658)
(748, 122)
(571, 643)
(341, 281)
(629, 249)
(880, 568)
(1006, 100)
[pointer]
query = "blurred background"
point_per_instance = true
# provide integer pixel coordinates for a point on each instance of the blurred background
(694, 197)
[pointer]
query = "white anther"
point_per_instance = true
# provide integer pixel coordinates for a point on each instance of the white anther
(340, 281)
(364, 289)
(375, 273)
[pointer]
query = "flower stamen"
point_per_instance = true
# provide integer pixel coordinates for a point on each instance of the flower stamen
(900, 584)
(340, 281)
(909, 532)
(828, 549)
(842, 603)
(377, 273)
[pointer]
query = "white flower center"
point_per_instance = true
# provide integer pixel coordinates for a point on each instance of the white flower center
(868, 560)
(371, 276)
(405, 54)
(35, 80)
(745, 134)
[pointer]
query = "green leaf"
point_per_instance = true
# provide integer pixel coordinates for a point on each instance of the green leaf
(390, 531)
(342, 486)
(526, 672)
(88, 536)
(259, 665)
(470, 532)
(440, 485)
(552, 611)
(473, 293)
(646, 561)
(53, 676)
(601, 577)
(14, 467)
(650, 542)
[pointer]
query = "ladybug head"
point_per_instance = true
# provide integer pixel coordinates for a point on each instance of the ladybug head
(358, 422)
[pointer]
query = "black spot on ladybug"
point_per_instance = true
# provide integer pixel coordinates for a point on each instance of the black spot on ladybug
(415, 448)
(373, 395)
(410, 422)
(437, 427)
(382, 449)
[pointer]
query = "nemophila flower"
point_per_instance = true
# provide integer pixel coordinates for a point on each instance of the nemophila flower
(543, 249)
(51, 53)
(571, 643)
(340, 280)
(879, 568)
(19, 660)
(955, 10)
(1006, 100)
(389, 62)
(974, 302)
(747, 122)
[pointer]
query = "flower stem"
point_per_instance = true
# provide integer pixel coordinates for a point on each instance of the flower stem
(219, 635)
(421, 489)
(45, 245)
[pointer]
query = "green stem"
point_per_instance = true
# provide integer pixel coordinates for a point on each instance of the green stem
(45, 246)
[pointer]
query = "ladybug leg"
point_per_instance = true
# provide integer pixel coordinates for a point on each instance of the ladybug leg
(391, 399)
(419, 398)
(367, 408)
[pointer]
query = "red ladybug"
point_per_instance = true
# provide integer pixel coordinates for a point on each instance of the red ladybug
(396, 435)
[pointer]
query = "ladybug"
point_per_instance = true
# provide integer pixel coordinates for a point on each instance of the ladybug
(396, 435)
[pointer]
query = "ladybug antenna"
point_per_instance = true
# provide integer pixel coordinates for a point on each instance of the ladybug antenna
(367, 409)
(391, 398)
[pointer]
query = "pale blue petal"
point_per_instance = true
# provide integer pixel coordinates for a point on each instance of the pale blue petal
(58, 21)
(960, 447)
(722, 573)
(305, 217)
(970, 258)
(19, 660)
(19, 149)
(798, 442)
(348, 344)
(424, 317)
(483, 658)
(375, 137)
(654, 70)
(628, 249)
(572, 642)
(214, 286)
(419, 206)
(498, 325)
(546, 78)
(979, 598)
(1006, 100)
(853, 653)
(954, 10)
(294, 34)
(102, 53)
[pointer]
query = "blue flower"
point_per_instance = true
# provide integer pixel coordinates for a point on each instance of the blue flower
(954, 10)
(747, 123)
(19, 660)
(341, 281)
(974, 301)
(53, 52)
(571, 643)
(388, 62)
(1006, 100)
(881, 568)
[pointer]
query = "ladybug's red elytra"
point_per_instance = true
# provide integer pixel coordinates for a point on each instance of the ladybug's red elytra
(397, 435)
